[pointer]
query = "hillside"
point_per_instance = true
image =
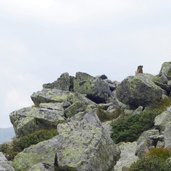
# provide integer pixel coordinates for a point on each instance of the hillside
(90, 123)
(6, 134)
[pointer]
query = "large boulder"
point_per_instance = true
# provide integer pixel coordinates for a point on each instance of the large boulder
(50, 95)
(81, 145)
(43, 152)
(29, 119)
(139, 90)
(5, 165)
(96, 89)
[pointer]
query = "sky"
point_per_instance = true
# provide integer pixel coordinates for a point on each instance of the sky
(41, 39)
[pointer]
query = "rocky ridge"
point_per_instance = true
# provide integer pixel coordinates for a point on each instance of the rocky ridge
(77, 108)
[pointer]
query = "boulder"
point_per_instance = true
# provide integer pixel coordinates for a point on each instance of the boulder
(50, 95)
(30, 119)
(166, 70)
(43, 152)
(5, 165)
(163, 119)
(147, 140)
(127, 156)
(139, 90)
(85, 145)
(64, 82)
(95, 89)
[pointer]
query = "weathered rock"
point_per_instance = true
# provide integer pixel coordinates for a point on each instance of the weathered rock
(146, 141)
(50, 95)
(139, 90)
(166, 70)
(95, 89)
(29, 119)
(161, 120)
(167, 136)
(42, 167)
(5, 165)
(85, 145)
(82, 145)
(64, 82)
(127, 156)
(43, 152)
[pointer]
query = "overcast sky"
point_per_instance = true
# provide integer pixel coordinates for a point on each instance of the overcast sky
(40, 39)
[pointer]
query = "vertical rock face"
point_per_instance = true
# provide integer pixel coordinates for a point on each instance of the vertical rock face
(4, 164)
(138, 91)
(82, 145)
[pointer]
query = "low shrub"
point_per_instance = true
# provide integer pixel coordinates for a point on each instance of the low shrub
(19, 144)
(130, 128)
(155, 160)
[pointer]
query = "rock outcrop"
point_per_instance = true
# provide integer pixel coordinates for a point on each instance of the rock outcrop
(82, 109)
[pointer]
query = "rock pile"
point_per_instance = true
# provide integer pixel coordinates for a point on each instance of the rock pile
(72, 106)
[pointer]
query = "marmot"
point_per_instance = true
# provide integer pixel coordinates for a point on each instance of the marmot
(139, 70)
